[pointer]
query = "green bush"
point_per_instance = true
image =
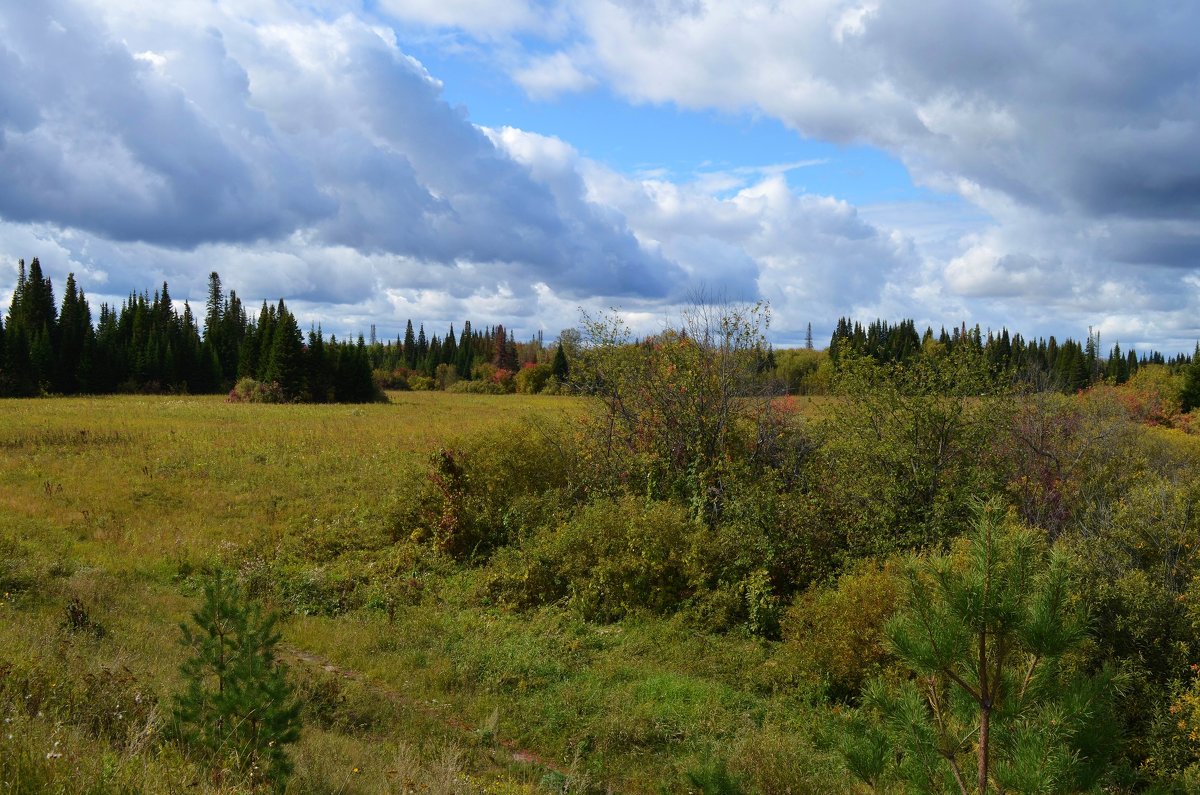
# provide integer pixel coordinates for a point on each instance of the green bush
(491, 490)
(612, 558)
(835, 636)
(532, 378)
(476, 387)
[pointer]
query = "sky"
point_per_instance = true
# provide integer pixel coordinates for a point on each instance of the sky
(1000, 162)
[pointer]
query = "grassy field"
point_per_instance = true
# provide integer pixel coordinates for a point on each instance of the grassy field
(411, 681)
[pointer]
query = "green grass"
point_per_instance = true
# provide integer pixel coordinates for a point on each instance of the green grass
(118, 502)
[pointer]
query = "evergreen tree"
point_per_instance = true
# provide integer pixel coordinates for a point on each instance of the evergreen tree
(214, 308)
(1190, 396)
(466, 352)
(449, 348)
(75, 340)
(285, 364)
(228, 345)
(1114, 368)
(318, 369)
(238, 709)
(988, 708)
(560, 369)
(504, 353)
(32, 305)
(410, 347)
(421, 349)
(354, 381)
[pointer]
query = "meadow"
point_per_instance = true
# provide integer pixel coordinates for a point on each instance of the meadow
(119, 505)
(672, 586)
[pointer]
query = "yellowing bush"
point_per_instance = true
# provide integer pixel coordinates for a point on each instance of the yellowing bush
(835, 635)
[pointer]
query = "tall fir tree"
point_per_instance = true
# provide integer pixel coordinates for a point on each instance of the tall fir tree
(410, 347)
(466, 353)
(75, 336)
(1190, 396)
(560, 369)
(285, 363)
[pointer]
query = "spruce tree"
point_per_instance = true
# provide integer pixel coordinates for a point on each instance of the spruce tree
(560, 368)
(466, 353)
(318, 369)
(410, 347)
(285, 363)
(75, 337)
(1190, 396)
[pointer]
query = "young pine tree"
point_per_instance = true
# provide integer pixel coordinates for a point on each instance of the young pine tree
(238, 710)
(991, 704)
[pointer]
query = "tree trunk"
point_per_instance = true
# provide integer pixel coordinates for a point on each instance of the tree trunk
(984, 721)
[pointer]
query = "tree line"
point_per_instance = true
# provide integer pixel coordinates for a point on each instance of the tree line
(146, 345)
(1043, 363)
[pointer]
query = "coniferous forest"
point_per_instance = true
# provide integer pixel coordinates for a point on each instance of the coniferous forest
(148, 347)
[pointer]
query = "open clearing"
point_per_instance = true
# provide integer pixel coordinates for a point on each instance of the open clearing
(120, 502)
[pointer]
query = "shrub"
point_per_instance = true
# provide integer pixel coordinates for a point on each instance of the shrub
(532, 378)
(674, 408)
(476, 388)
(494, 487)
(420, 383)
(391, 379)
(445, 376)
(835, 635)
(247, 390)
(614, 557)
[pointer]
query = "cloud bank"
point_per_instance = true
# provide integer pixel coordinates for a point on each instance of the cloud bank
(302, 151)
(1073, 128)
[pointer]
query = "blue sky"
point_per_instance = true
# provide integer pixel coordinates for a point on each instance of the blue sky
(999, 162)
(643, 137)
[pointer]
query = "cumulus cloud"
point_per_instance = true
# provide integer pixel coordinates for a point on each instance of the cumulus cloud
(94, 138)
(547, 76)
(287, 130)
(1094, 111)
(1040, 115)
(303, 151)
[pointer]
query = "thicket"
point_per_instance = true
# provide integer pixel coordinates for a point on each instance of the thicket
(954, 635)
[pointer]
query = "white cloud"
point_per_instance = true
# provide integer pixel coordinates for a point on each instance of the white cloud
(486, 17)
(548, 76)
(273, 134)
(305, 152)
(1075, 133)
